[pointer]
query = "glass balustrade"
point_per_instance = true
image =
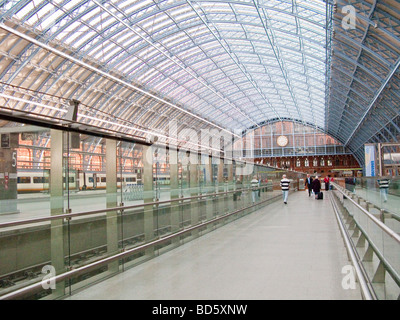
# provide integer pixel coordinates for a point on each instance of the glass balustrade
(74, 200)
(375, 233)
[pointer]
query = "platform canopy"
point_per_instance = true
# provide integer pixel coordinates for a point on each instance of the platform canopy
(138, 66)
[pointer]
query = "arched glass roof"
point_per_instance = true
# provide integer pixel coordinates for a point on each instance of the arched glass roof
(235, 63)
(135, 66)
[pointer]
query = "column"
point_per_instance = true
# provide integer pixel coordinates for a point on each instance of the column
(194, 191)
(208, 173)
(221, 204)
(230, 185)
(112, 201)
(175, 206)
(210, 202)
(57, 207)
(210, 189)
(148, 214)
(8, 173)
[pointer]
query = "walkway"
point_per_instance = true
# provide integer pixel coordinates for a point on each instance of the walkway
(280, 252)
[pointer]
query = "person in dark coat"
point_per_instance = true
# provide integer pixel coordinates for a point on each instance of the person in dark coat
(308, 184)
(316, 185)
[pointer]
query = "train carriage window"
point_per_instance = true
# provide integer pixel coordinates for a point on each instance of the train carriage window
(24, 180)
(103, 179)
(130, 179)
(38, 179)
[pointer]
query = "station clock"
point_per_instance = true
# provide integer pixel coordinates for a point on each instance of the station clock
(282, 141)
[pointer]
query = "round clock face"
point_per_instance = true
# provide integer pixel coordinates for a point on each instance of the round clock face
(282, 141)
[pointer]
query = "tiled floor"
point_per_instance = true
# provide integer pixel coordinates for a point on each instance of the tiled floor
(292, 251)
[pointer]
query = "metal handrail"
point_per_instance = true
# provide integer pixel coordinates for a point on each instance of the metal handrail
(69, 216)
(379, 223)
(75, 272)
(388, 267)
(366, 291)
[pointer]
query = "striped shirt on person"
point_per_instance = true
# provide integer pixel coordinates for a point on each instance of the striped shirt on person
(285, 183)
(254, 184)
(384, 183)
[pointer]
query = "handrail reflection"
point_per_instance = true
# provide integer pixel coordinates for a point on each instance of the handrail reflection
(381, 225)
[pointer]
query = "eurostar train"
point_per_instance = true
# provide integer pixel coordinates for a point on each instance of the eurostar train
(31, 181)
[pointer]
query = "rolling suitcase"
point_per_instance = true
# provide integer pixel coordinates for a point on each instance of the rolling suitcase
(320, 196)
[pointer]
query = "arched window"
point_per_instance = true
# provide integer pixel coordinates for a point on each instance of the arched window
(306, 162)
(298, 163)
(322, 162)
(315, 162)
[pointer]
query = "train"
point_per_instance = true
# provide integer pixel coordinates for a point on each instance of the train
(31, 181)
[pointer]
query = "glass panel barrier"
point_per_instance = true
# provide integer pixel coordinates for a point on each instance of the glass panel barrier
(97, 198)
(25, 176)
(23, 260)
(381, 193)
(377, 244)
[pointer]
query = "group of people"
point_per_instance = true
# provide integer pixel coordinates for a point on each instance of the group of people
(313, 185)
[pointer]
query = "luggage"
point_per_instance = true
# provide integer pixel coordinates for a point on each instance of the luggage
(319, 196)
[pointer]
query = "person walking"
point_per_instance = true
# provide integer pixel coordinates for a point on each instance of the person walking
(308, 184)
(285, 185)
(326, 181)
(330, 184)
(384, 188)
(254, 189)
(316, 185)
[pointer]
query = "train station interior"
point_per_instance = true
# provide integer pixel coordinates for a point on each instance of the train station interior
(147, 147)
